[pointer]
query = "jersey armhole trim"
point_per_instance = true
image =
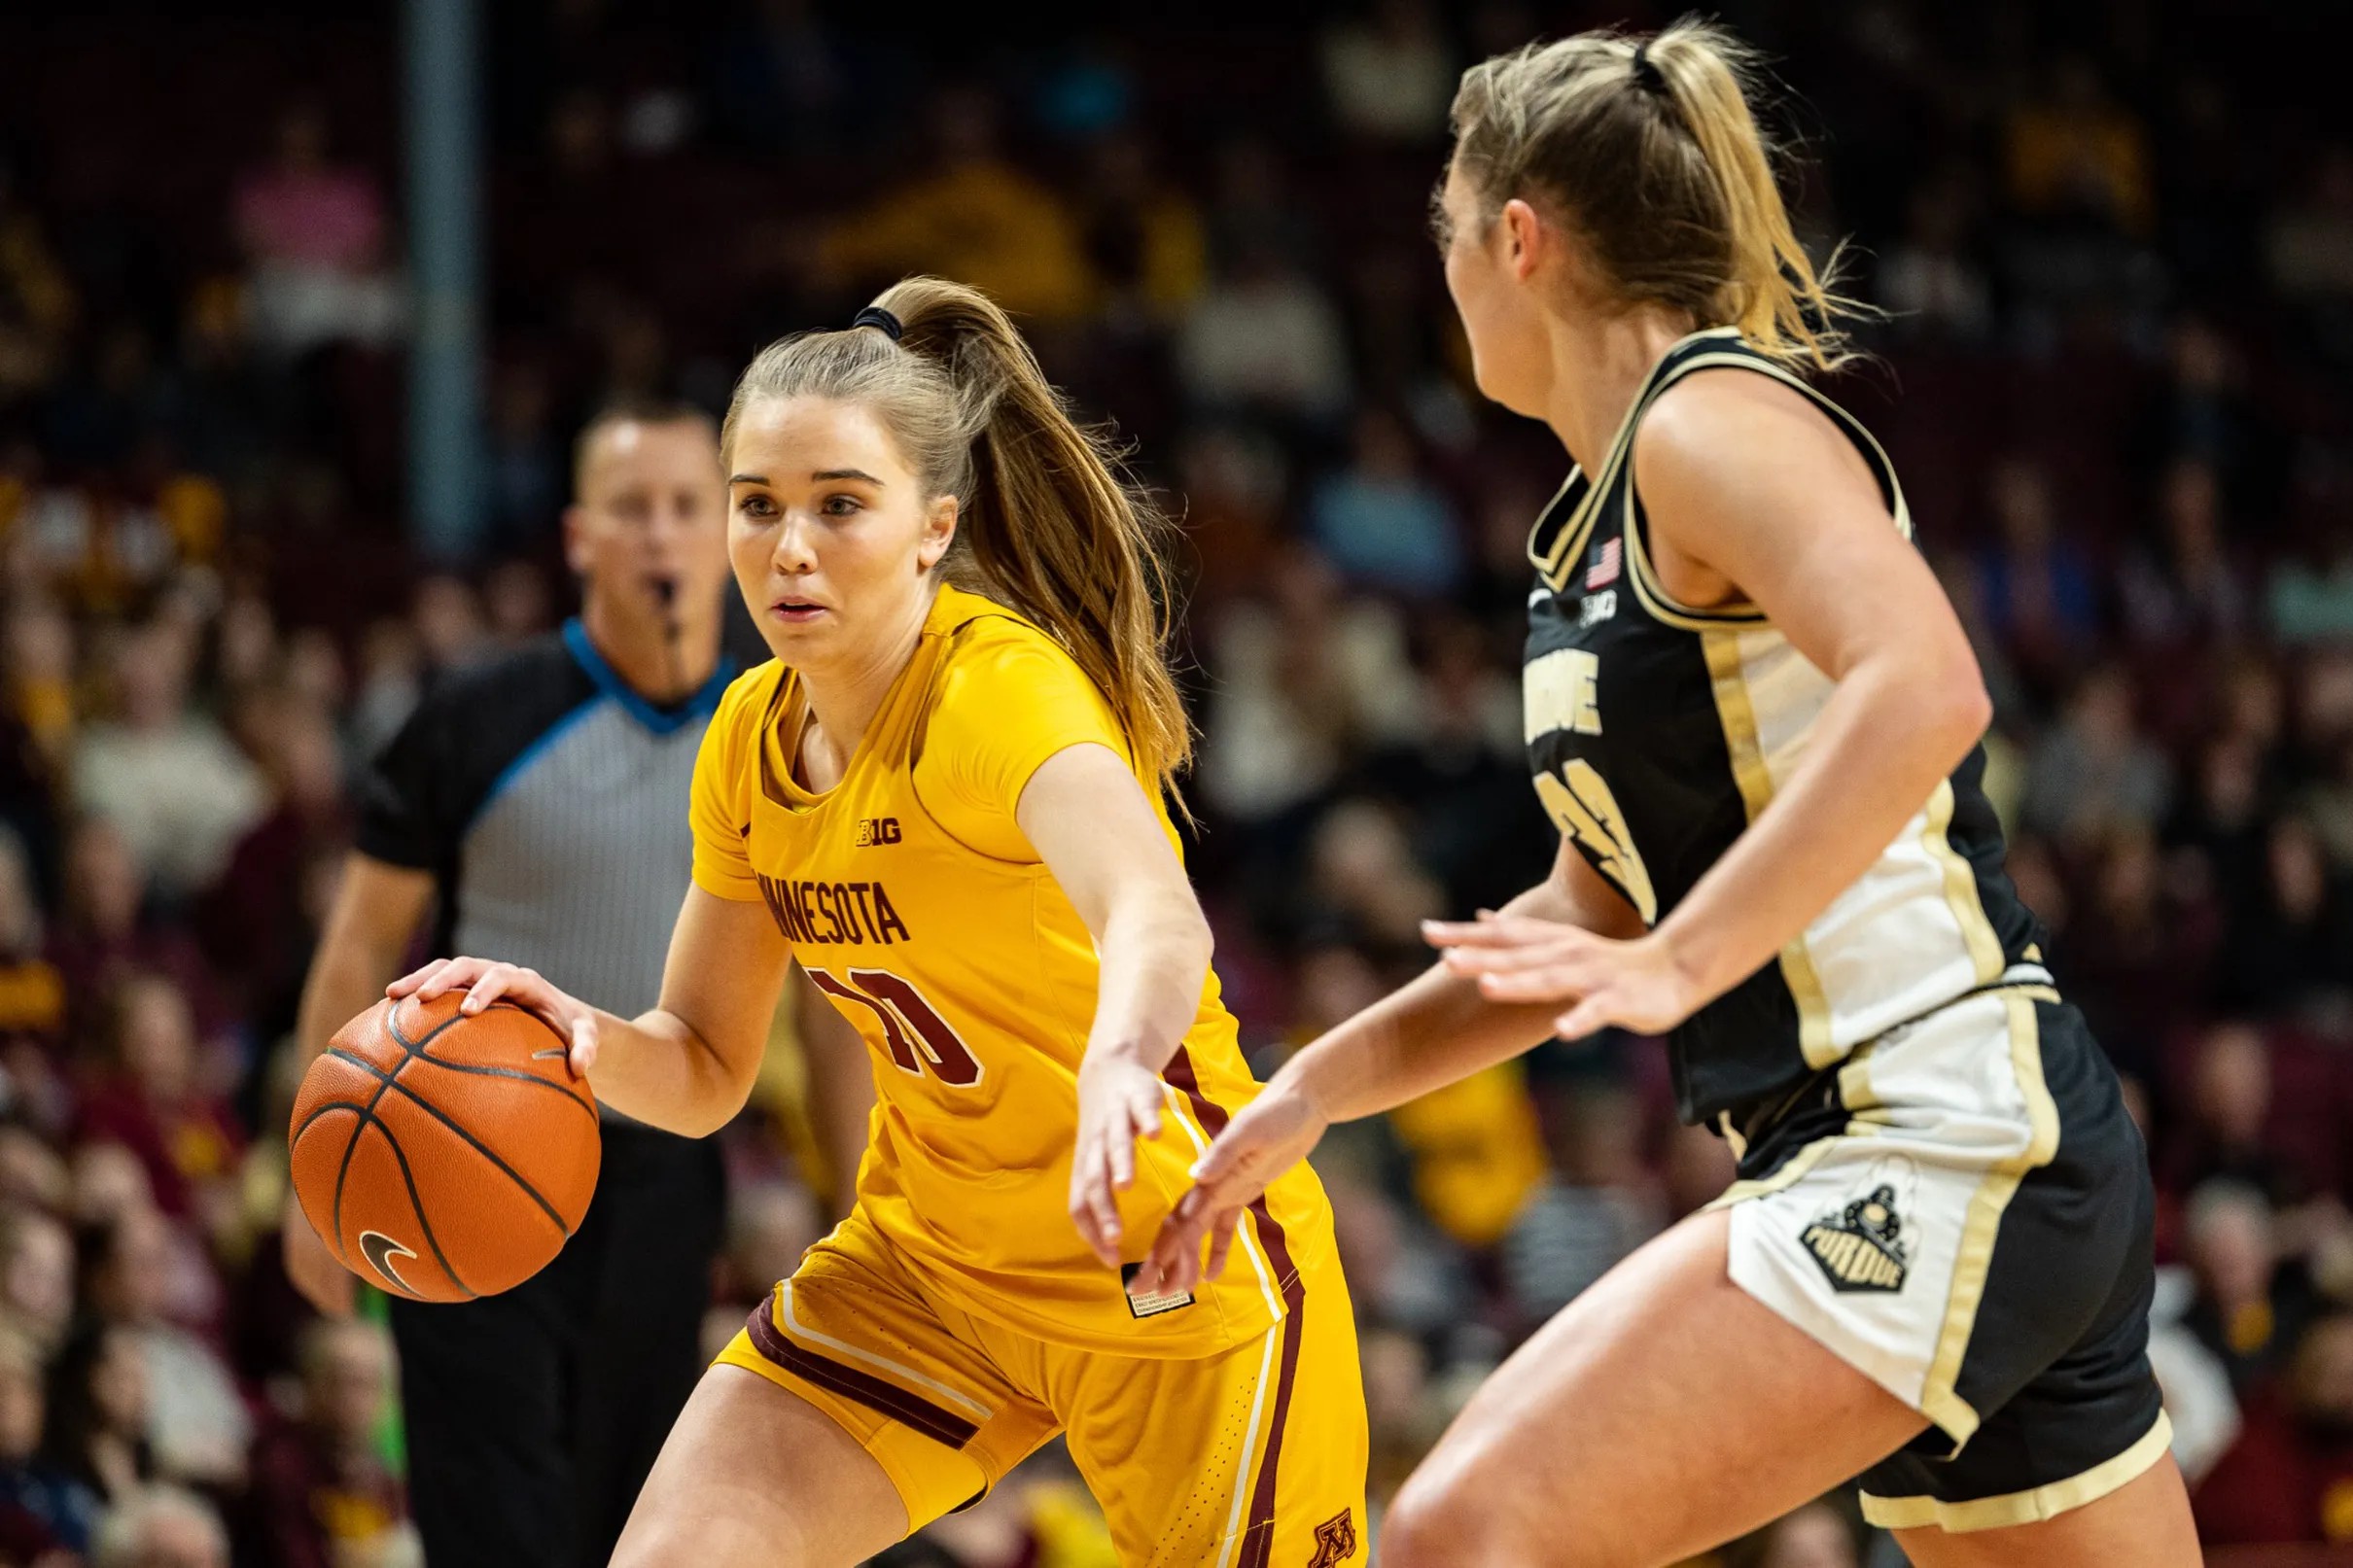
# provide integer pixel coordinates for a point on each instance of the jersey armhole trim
(1648, 588)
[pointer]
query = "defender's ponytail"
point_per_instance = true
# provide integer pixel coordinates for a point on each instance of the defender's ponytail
(1648, 149)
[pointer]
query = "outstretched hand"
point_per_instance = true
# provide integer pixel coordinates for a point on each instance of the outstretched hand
(1635, 984)
(1266, 1139)
(486, 981)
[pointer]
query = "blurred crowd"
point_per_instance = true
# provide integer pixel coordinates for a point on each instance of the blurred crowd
(2117, 271)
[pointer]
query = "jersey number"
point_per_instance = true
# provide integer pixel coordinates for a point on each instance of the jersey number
(908, 1023)
(1584, 810)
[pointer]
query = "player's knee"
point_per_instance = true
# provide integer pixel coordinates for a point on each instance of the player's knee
(1454, 1513)
(650, 1543)
(659, 1542)
(1437, 1522)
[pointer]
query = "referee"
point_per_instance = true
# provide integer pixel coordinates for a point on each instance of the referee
(537, 806)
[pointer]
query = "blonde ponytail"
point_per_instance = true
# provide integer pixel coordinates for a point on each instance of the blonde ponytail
(1648, 149)
(1049, 525)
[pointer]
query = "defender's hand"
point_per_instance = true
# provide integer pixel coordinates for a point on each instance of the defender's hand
(1635, 984)
(1267, 1137)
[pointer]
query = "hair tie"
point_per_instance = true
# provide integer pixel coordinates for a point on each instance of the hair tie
(881, 319)
(1647, 75)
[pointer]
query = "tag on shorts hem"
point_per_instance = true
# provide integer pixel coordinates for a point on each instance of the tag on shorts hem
(1145, 1305)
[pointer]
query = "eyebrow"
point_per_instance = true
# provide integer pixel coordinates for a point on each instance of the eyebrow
(818, 477)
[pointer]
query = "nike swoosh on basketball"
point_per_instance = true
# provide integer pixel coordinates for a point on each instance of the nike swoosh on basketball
(381, 1250)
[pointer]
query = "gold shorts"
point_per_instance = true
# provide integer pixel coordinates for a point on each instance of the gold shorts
(1249, 1458)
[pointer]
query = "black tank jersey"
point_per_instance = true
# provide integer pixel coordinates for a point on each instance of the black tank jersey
(1656, 732)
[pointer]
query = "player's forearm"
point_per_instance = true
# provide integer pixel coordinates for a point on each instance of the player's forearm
(378, 909)
(1155, 957)
(1433, 1031)
(656, 1068)
(1889, 734)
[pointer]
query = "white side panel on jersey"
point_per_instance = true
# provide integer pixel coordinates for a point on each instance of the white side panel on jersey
(1898, 941)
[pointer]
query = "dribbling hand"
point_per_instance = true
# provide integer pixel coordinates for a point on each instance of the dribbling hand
(1267, 1137)
(486, 981)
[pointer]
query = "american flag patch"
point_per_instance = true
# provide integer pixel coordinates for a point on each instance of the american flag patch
(1602, 568)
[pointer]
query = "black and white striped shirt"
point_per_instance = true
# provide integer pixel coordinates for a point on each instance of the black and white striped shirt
(548, 801)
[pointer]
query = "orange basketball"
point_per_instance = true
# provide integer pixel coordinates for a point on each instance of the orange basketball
(444, 1157)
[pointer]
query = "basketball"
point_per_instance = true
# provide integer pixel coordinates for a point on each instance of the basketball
(444, 1157)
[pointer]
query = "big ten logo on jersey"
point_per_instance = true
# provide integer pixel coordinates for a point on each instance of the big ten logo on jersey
(841, 912)
(915, 1036)
(1564, 697)
(877, 830)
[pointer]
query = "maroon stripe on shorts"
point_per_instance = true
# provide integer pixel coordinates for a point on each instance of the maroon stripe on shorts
(1258, 1534)
(889, 1399)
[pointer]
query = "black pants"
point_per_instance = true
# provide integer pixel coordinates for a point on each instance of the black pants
(533, 1416)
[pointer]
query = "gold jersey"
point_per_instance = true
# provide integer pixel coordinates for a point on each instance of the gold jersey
(914, 900)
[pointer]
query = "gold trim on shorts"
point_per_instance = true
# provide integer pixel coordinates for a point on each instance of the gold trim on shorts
(2046, 1502)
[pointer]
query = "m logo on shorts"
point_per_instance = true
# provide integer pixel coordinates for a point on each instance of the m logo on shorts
(1859, 1247)
(1335, 1540)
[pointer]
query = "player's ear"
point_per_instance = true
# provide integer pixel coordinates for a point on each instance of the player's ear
(939, 532)
(576, 543)
(1523, 236)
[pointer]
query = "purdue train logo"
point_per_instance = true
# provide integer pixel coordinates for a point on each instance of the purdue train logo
(1860, 1246)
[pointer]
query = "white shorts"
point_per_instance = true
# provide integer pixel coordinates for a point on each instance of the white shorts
(1962, 1212)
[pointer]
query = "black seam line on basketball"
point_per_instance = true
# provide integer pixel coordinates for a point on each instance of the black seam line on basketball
(416, 1048)
(368, 1114)
(476, 1144)
(296, 1136)
(423, 1046)
(417, 1202)
(482, 1070)
(419, 1048)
